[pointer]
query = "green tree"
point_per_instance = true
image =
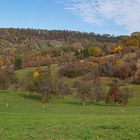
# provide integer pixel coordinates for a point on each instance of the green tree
(18, 63)
(84, 90)
(42, 82)
(63, 89)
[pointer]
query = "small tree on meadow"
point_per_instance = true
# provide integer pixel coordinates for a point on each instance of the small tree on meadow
(63, 89)
(7, 76)
(42, 82)
(98, 90)
(97, 93)
(115, 95)
(84, 90)
(113, 92)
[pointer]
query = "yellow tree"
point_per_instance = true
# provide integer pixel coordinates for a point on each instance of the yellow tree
(1, 61)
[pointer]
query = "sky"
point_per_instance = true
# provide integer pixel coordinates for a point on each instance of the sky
(114, 17)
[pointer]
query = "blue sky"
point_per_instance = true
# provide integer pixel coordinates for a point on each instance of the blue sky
(99, 16)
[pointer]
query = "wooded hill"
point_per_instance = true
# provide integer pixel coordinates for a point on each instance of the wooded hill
(86, 55)
(30, 47)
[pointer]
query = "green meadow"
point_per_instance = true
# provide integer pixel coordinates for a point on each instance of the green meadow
(67, 119)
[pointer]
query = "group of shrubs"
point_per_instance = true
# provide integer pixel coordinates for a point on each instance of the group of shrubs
(93, 90)
(110, 66)
(48, 86)
(88, 89)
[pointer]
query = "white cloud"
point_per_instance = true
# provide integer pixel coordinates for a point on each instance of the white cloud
(125, 13)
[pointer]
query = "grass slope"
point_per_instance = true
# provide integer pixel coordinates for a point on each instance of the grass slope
(21, 74)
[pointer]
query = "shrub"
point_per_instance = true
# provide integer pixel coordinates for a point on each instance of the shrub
(17, 63)
(41, 82)
(6, 76)
(75, 69)
(90, 91)
(115, 95)
(63, 89)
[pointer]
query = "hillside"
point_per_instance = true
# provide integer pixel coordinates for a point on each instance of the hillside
(30, 44)
(69, 85)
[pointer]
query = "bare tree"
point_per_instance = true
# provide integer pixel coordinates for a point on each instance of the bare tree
(63, 89)
(84, 90)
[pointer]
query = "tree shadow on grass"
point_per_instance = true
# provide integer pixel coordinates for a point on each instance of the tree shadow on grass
(103, 104)
(71, 102)
(32, 96)
(109, 127)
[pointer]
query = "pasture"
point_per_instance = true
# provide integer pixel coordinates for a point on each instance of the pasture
(65, 119)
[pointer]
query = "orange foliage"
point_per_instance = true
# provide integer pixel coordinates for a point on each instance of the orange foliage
(118, 49)
(36, 74)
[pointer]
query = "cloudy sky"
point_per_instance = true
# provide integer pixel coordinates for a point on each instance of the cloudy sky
(99, 16)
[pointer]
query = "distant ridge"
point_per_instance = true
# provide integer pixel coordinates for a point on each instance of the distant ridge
(135, 34)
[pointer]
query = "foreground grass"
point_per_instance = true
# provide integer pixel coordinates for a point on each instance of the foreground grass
(65, 120)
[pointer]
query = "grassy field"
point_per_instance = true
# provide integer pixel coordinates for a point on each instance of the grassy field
(66, 119)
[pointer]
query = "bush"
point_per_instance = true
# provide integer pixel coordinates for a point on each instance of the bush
(6, 76)
(41, 82)
(63, 89)
(75, 69)
(17, 63)
(115, 95)
(90, 91)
